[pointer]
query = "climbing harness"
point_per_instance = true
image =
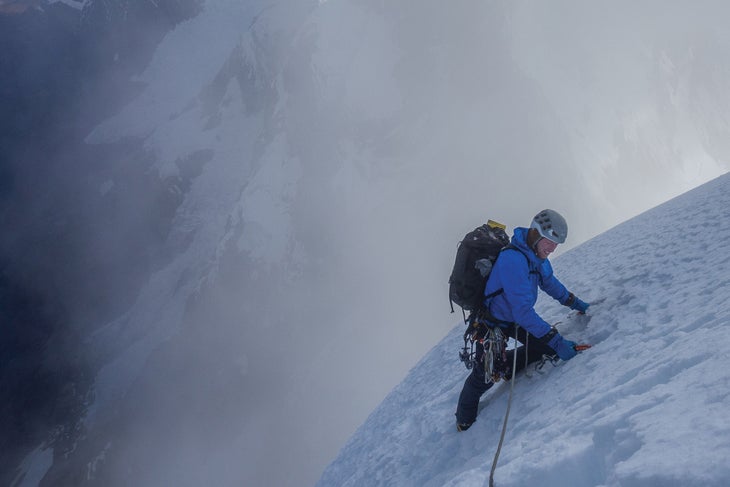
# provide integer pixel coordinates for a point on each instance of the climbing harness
(481, 332)
(496, 367)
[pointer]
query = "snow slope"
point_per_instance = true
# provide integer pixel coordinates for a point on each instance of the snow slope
(647, 405)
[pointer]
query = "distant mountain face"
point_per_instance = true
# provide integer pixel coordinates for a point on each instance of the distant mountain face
(61, 56)
(62, 70)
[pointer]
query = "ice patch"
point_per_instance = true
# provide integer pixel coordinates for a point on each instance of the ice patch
(34, 467)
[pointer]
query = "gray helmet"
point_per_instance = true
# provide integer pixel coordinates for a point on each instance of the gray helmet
(551, 225)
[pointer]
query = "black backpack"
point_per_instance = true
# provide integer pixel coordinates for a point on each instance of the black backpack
(474, 259)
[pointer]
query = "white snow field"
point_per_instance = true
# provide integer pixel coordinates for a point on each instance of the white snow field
(646, 406)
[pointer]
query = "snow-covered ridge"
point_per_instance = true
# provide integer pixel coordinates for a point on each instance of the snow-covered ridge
(77, 4)
(645, 406)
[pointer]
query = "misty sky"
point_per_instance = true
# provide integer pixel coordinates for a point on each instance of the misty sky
(272, 205)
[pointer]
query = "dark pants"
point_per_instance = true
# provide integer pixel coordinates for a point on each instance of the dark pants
(475, 385)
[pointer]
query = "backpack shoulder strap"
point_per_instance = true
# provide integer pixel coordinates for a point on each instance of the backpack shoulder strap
(514, 247)
(500, 290)
(532, 271)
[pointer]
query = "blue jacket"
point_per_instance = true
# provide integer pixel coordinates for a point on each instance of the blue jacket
(519, 273)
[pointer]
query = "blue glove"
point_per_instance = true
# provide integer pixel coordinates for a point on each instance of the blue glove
(575, 303)
(564, 348)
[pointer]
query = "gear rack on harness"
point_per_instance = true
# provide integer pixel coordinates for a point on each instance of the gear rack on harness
(480, 332)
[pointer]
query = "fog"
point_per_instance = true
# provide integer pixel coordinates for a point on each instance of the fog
(272, 206)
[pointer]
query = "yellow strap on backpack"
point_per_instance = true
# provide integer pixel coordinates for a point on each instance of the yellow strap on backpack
(494, 224)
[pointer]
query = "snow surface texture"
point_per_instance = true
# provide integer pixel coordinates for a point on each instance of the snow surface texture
(647, 405)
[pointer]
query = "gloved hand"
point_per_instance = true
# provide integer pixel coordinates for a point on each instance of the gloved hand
(575, 303)
(564, 348)
(579, 305)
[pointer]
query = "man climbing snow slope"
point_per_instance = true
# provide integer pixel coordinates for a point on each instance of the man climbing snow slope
(510, 296)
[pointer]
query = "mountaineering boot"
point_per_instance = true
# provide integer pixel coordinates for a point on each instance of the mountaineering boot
(463, 426)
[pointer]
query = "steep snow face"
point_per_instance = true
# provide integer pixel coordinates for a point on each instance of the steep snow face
(645, 406)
